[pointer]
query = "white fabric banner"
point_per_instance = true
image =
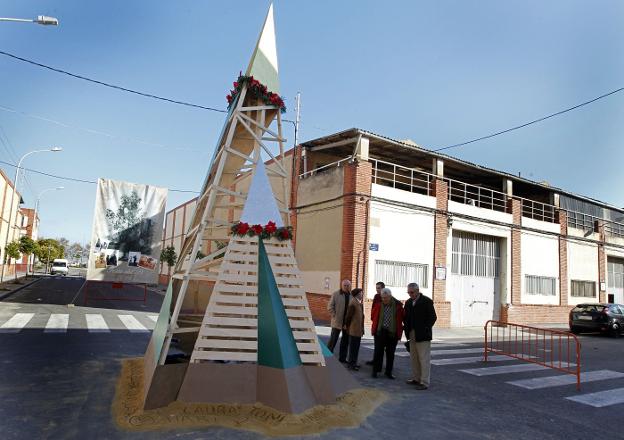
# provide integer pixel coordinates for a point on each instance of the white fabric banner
(127, 232)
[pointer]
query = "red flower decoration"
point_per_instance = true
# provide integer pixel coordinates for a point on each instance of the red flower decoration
(257, 229)
(270, 228)
(284, 233)
(243, 228)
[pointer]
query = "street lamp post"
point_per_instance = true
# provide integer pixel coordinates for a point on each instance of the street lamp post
(58, 188)
(41, 19)
(19, 165)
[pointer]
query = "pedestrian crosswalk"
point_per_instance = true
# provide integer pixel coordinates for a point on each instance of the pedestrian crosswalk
(451, 356)
(51, 323)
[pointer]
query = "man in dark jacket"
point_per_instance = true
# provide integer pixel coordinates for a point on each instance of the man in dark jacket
(387, 329)
(419, 318)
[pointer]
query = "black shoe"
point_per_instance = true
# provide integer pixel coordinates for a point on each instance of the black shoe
(374, 375)
(412, 382)
(369, 362)
(354, 367)
(421, 387)
(389, 376)
(342, 361)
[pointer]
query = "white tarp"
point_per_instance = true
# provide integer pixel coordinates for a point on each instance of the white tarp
(127, 232)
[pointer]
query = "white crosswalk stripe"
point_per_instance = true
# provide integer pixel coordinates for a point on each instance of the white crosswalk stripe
(96, 323)
(153, 317)
(555, 381)
(132, 324)
(57, 323)
(470, 360)
(16, 323)
(601, 398)
(490, 371)
(457, 351)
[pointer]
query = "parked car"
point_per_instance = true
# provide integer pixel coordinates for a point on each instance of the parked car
(604, 318)
(59, 266)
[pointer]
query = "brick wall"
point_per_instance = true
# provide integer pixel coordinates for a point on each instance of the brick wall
(441, 230)
(538, 314)
(357, 191)
(562, 219)
(318, 307)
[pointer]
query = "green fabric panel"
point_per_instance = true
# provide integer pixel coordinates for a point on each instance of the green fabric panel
(162, 323)
(326, 351)
(276, 344)
(262, 70)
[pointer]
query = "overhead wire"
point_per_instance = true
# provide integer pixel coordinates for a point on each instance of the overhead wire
(74, 179)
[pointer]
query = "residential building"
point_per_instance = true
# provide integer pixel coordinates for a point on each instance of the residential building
(13, 230)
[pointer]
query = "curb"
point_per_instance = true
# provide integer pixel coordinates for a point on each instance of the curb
(8, 294)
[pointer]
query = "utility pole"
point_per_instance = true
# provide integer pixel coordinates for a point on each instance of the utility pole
(297, 122)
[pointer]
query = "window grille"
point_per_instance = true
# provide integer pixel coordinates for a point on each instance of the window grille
(536, 285)
(583, 289)
(400, 273)
(475, 254)
(615, 275)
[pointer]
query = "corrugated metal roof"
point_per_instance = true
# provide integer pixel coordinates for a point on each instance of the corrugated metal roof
(351, 132)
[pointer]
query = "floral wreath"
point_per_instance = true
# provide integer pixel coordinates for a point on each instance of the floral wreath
(242, 229)
(257, 90)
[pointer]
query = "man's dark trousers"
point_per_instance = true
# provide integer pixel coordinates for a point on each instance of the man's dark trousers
(384, 342)
(344, 343)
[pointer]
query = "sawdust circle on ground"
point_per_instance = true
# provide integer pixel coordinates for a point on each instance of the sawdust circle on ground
(350, 410)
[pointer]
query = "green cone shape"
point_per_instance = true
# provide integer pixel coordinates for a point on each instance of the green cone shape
(276, 344)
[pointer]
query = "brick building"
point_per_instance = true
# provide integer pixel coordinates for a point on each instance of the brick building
(483, 244)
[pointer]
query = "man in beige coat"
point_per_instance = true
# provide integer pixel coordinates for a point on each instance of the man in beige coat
(354, 324)
(338, 310)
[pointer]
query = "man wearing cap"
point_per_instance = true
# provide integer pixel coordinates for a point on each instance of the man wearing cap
(419, 318)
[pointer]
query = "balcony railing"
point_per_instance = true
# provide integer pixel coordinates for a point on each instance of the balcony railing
(396, 176)
(582, 221)
(614, 229)
(538, 210)
(323, 168)
(476, 196)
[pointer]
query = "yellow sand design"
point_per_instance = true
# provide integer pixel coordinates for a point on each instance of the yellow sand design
(350, 411)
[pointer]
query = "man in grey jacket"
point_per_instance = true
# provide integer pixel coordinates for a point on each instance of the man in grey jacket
(337, 307)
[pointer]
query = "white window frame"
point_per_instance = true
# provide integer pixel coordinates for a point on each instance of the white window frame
(586, 284)
(540, 285)
(401, 273)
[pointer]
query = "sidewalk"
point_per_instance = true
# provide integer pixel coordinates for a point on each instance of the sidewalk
(9, 286)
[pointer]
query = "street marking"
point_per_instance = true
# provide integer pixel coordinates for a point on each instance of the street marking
(57, 323)
(556, 381)
(96, 323)
(489, 371)
(471, 360)
(458, 351)
(16, 323)
(601, 399)
(132, 324)
(153, 317)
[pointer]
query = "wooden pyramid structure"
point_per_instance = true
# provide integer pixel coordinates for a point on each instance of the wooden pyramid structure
(255, 341)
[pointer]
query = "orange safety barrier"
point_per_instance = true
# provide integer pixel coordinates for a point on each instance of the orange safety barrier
(554, 349)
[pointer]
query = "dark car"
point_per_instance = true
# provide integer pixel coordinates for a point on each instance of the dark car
(605, 318)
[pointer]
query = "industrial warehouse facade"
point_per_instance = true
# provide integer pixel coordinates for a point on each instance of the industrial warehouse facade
(483, 244)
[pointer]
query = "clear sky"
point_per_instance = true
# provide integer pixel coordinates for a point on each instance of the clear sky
(438, 73)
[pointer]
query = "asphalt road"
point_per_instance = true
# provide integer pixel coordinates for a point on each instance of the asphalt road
(57, 380)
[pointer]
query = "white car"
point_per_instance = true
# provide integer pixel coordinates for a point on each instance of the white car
(59, 266)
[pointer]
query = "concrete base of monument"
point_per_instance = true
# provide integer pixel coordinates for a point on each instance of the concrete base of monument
(350, 409)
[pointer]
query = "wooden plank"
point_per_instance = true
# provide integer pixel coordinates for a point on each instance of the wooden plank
(308, 347)
(229, 332)
(224, 356)
(234, 288)
(233, 322)
(233, 277)
(234, 344)
(312, 358)
(233, 310)
(234, 299)
(304, 335)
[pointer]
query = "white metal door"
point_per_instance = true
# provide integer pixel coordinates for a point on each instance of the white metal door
(475, 284)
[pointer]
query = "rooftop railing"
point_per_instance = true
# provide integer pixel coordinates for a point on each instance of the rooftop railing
(396, 176)
(476, 195)
(538, 210)
(324, 168)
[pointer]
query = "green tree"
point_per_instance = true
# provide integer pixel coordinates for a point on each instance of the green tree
(12, 251)
(27, 247)
(168, 255)
(132, 231)
(48, 249)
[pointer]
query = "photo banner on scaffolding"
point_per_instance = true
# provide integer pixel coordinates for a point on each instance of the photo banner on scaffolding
(127, 232)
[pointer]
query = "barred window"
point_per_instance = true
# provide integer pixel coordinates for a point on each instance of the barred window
(401, 273)
(536, 285)
(615, 274)
(475, 254)
(583, 289)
